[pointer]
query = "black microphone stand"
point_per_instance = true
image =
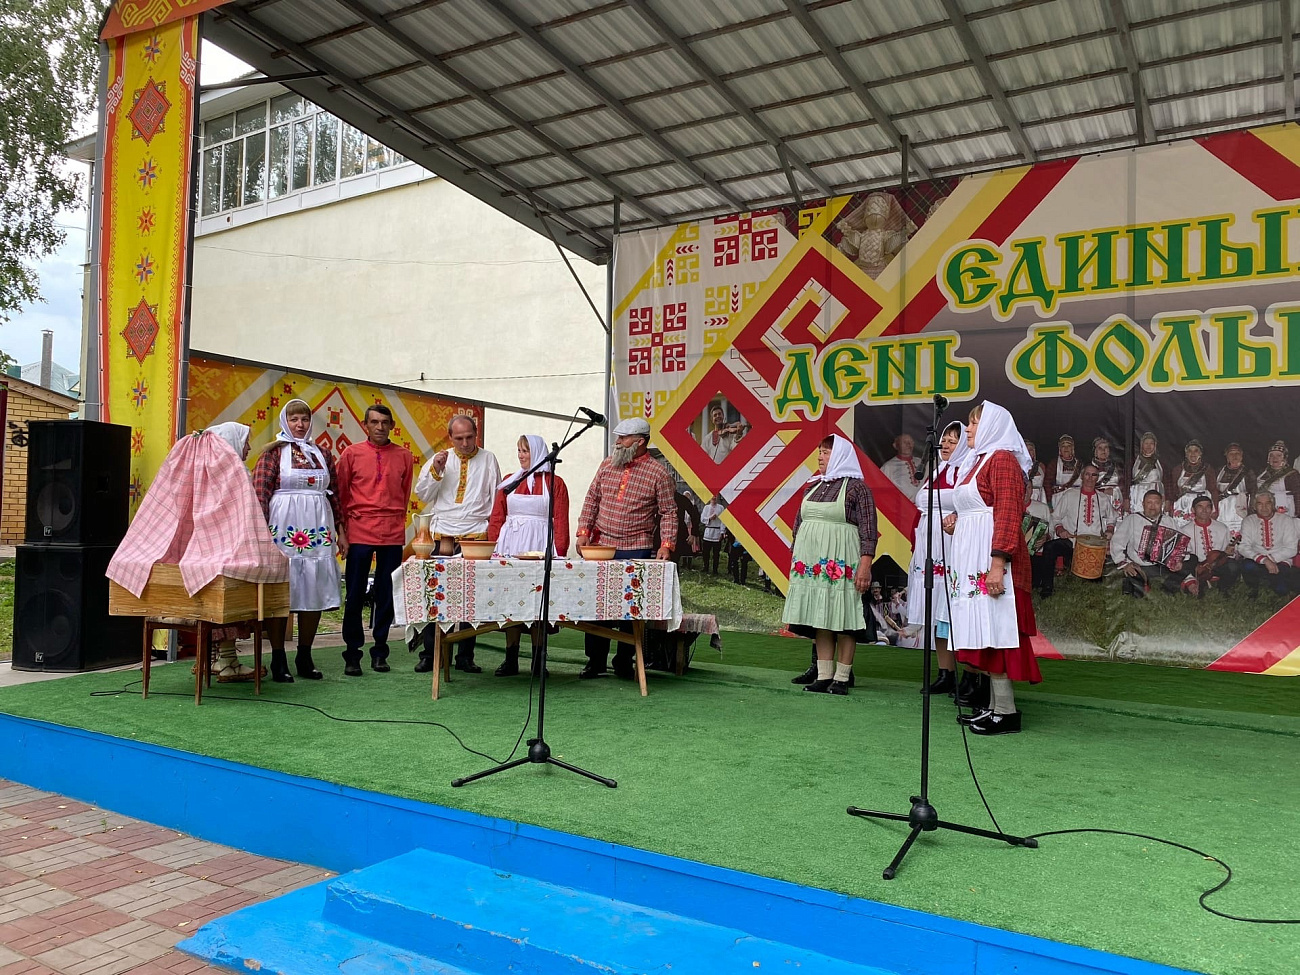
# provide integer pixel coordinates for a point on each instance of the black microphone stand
(539, 752)
(923, 817)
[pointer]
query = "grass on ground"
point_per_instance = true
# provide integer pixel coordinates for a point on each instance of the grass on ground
(6, 608)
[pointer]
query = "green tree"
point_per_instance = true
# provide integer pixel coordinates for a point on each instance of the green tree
(49, 61)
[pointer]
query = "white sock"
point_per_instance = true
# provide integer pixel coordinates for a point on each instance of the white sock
(825, 668)
(842, 672)
(1003, 697)
(226, 654)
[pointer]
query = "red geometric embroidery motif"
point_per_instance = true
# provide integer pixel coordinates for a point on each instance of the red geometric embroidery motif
(141, 330)
(148, 110)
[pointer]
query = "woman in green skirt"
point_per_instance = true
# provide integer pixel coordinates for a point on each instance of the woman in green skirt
(830, 568)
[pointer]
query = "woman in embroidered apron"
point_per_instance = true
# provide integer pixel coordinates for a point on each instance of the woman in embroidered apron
(834, 542)
(1148, 474)
(992, 621)
(293, 481)
(1191, 478)
(1236, 486)
(1280, 479)
(518, 526)
(1037, 473)
(952, 451)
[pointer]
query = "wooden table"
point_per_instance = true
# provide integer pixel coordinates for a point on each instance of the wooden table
(166, 605)
(492, 594)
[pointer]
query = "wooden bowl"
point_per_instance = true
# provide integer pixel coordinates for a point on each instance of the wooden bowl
(596, 553)
(476, 550)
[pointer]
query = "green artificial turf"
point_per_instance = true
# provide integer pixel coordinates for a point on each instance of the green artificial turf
(732, 765)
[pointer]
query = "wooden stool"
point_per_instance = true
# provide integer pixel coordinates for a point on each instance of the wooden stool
(202, 630)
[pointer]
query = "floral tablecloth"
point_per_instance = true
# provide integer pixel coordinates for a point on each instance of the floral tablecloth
(455, 590)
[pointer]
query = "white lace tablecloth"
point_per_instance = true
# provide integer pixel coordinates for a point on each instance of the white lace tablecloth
(455, 590)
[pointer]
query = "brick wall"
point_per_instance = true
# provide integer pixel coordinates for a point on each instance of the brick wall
(23, 408)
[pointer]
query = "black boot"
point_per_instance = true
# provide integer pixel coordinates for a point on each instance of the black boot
(808, 676)
(975, 693)
(510, 666)
(305, 666)
(945, 683)
(280, 667)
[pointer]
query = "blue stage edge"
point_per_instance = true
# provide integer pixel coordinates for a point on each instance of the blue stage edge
(344, 829)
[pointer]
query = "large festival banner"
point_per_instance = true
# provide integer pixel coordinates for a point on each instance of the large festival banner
(145, 215)
(1139, 309)
(223, 390)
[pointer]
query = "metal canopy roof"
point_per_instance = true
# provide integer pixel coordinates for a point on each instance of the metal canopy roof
(683, 108)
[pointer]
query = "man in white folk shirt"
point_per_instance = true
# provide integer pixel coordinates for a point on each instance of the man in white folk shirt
(457, 488)
(1269, 540)
(1214, 549)
(1076, 511)
(901, 468)
(1134, 550)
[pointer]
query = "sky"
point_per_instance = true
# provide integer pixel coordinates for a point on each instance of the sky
(61, 272)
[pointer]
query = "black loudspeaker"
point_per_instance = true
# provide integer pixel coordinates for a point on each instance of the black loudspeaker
(61, 620)
(78, 472)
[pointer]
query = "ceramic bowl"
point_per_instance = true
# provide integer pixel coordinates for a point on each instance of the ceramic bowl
(597, 553)
(477, 550)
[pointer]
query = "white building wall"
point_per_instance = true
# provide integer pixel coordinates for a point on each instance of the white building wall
(417, 279)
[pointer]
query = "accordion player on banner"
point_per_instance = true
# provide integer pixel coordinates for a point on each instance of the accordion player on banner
(1151, 551)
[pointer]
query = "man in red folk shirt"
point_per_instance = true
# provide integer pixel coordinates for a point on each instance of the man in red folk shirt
(630, 494)
(374, 491)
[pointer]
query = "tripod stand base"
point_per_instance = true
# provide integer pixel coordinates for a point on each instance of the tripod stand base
(539, 753)
(924, 818)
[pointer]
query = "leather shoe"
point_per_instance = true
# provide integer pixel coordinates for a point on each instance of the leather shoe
(945, 683)
(625, 673)
(468, 667)
(975, 715)
(351, 670)
(992, 723)
(822, 686)
(424, 665)
(508, 668)
(840, 687)
(807, 677)
(380, 666)
(591, 672)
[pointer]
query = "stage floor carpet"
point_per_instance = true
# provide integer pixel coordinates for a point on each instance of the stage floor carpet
(732, 765)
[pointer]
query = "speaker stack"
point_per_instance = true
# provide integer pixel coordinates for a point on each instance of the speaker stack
(77, 512)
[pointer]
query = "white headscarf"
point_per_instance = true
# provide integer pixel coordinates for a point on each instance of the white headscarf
(959, 452)
(235, 434)
(843, 462)
(996, 431)
(284, 436)
(537, 449)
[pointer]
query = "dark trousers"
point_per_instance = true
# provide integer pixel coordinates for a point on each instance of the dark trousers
(738, 561)
(1043, 570)
(712, 552)
(597, 647)
(1158, 577)
(1254, 575)
(356, 574)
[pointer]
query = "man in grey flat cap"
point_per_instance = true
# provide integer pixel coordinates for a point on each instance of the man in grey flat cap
(630, 494)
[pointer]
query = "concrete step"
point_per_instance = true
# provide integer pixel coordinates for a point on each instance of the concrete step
(481, 919)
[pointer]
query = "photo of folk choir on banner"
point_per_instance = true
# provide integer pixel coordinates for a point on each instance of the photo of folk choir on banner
(496, 593)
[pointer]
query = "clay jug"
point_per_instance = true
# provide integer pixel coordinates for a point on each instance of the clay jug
(423, 544)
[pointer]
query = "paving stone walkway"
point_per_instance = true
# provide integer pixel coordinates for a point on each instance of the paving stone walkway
(89, 892)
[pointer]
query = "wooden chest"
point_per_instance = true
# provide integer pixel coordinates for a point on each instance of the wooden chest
(221, 601)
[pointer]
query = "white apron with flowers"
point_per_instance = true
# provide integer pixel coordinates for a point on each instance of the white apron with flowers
(302, 525)
(978, 620)
(932, 525)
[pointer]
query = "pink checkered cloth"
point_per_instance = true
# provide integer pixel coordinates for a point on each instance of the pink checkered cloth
(200, 513)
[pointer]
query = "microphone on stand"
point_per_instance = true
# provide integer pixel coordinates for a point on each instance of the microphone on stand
(597, 418)
(940, 402)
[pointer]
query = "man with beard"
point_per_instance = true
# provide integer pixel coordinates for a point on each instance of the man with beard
(1236, 486)
(630, 494)
(1214, 548)
(1134, 549)
(1269, 540)
(1280, 479)
(901, 469)
(1189, 480)
(1064, 472)
(457, 488)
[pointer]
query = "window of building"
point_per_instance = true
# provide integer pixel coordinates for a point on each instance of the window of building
(280, 146)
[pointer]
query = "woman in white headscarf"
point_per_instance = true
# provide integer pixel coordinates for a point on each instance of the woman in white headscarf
(952, 451)
(830, 566)
(989, 574)
(228, 668)
(294, 480)
(518, 526)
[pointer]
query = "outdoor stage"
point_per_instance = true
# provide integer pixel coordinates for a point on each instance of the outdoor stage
(732, 766)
